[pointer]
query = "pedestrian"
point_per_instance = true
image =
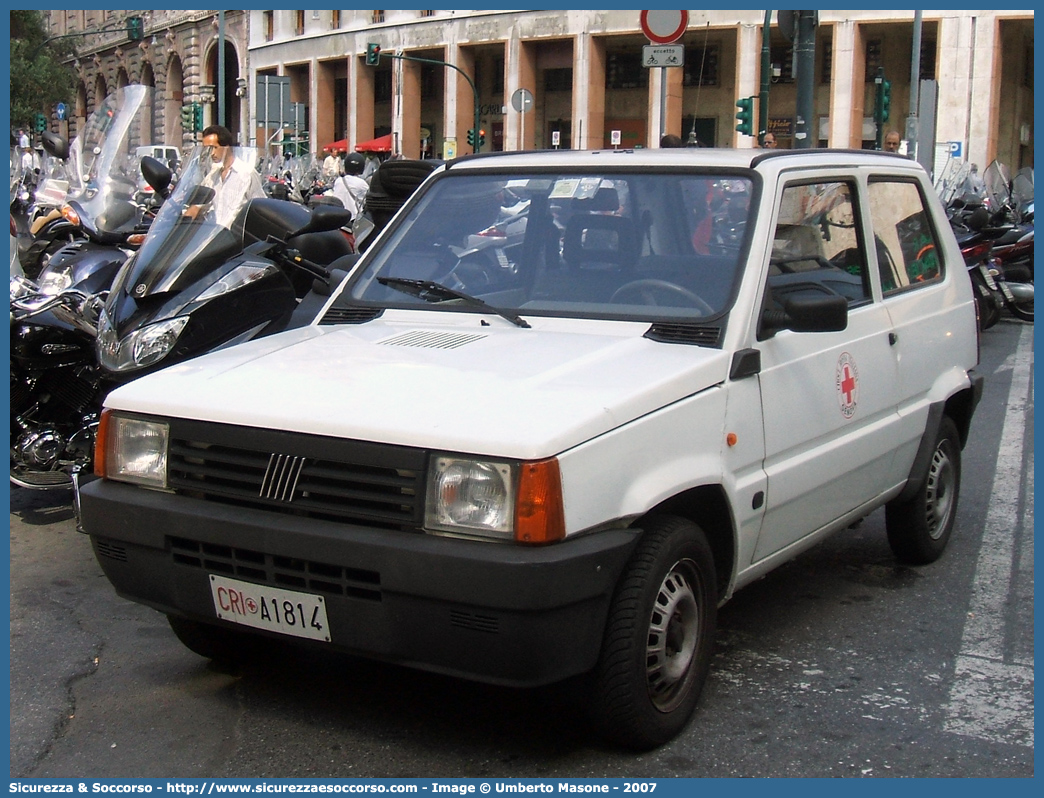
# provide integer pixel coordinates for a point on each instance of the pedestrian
(232, 178)
(331, 166)
(892, 140)
(670, 140)
(23, 139)
(769, 142)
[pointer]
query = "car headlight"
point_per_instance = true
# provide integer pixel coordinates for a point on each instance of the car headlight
(132, 450)
(140, 348)
(495, 500)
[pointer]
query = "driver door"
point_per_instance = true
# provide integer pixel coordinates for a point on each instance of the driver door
(830, 398)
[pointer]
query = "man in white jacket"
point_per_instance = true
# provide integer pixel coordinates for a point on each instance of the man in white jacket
(350, 188)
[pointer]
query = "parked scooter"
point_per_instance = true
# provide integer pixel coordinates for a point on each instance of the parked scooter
(198, 283)
(103, 204)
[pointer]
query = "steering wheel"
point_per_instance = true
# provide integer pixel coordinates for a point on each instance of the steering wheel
(645, 291)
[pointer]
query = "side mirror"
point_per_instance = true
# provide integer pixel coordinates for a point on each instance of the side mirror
(55, 145)
(157, 175)
(323, 219)
(806, 314)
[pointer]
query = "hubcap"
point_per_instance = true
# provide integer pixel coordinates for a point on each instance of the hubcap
(674, 630)
(942, 482)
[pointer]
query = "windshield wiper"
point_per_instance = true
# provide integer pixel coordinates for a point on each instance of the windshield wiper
(430, 291)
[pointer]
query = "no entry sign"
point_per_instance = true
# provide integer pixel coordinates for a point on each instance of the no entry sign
(663, 27)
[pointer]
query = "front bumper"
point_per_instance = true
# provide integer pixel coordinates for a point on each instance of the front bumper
(499, 613)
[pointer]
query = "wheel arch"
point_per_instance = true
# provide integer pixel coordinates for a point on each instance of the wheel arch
(708, 507)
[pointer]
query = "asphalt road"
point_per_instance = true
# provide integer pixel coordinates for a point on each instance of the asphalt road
(839, 663)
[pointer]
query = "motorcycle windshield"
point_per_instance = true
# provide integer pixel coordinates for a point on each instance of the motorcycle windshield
(200, 226)
(103, 161)
(1022, 185)
(997, 179)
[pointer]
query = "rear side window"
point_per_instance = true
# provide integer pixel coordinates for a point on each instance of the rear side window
(907, 247)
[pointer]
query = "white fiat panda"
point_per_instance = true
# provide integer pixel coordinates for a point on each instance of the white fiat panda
(524, 457)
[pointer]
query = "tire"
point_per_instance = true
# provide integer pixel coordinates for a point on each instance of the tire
(1022, 310)
(653, 663)
(919, 527)
(225, 646)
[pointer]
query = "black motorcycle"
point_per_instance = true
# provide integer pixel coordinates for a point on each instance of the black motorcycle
(200, 282)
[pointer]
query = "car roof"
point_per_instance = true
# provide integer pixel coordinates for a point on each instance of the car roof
(712, 157)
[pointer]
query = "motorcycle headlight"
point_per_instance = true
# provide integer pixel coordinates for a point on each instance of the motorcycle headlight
(242, 275)
(140, 348)
(132, 450)
(21, 286)
(56, 281)
(495, 500)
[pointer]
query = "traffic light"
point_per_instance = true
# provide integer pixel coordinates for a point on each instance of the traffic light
(197, 117)
(373, 54)
(135, 29)
(471, 137)
(886, 99)
(482, 137)
(745, 115)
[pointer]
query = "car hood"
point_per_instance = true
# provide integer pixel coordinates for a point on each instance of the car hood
(420, 380)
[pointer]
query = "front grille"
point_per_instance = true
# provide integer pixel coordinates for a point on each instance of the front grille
(291, 573)
(348, 481)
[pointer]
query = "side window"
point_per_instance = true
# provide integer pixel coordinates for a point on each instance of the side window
(816, 247)
(906, 245)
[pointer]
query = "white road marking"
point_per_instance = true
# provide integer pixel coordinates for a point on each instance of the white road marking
(992, 699)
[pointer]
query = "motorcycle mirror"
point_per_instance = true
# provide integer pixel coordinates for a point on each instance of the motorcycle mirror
(200, 195)
(323, 219)
(157, 175)
(55, 145)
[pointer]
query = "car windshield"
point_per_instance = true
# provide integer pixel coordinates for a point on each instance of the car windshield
(645, 246)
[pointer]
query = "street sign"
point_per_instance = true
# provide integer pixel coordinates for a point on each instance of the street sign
(615, 138)
(522, 100)
(663, 27)
(59, 111)
(556, 138)
(663, 55)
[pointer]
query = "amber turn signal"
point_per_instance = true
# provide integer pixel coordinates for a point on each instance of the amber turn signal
(539, 511)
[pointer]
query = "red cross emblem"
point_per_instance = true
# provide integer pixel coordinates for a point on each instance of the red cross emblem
(847, 381)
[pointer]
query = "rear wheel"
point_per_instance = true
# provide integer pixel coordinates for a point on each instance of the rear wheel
(1022, 310)
(919, 527)
(659, 637)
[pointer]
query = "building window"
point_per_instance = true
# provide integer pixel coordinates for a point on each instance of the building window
(873, 59)
(315, 15)
(701, 66)
(560, 79)
(299, 21)
(782, 57)
(335, 19)
(826, 66)
(927, 69)
(427, 13)
(268, 25)
(382, 85)
(498, 76)
(377, 17)
(625, 71)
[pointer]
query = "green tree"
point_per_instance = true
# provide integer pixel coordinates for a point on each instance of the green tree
(38, 78)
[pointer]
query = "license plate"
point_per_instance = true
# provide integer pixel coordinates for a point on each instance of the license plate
(271, 608)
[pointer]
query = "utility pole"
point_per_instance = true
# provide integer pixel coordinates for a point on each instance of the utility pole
(912, 122)
(805, 134)
(766, 78)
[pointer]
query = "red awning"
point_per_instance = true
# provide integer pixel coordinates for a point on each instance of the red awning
(337, 146)
(379, 144)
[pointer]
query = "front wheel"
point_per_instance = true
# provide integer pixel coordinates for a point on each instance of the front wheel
(659, 637)
(919, 527)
